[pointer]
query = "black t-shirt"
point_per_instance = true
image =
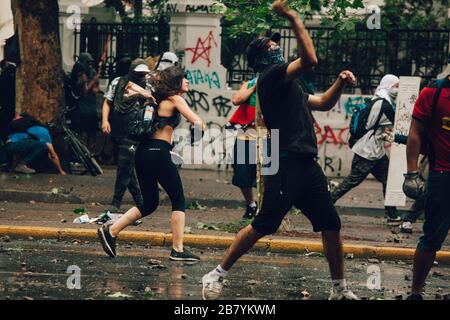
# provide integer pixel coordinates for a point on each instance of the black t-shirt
(284, 107)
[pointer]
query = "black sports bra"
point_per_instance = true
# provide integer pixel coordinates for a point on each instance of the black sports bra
(172, 121)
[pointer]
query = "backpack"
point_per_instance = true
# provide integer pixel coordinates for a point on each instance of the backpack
(359, 119)
(142, 123)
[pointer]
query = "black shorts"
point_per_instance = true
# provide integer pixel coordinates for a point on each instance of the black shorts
(300, 182)
(244, 172)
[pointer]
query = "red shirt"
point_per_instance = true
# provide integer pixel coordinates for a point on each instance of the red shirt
(438, 125)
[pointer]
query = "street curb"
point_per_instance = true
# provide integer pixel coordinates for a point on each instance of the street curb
(267, 243)
(44, 197)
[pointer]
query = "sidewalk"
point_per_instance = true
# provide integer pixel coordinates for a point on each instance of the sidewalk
(367, 236)
(208, 187)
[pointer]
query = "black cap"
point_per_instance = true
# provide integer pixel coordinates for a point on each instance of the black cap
(258, 46)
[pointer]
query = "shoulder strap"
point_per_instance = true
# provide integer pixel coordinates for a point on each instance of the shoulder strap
(380, 114)
(439, 86)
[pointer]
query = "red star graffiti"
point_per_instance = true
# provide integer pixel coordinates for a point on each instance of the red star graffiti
(203, 49)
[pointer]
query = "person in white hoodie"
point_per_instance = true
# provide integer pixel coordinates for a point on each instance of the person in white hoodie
(370, 150)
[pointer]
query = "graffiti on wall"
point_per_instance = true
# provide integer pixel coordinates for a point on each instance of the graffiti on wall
(202, 101)
(202, 50)
(199, 77)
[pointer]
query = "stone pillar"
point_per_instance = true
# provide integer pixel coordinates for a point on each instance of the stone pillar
(71, 13)
(195, 36)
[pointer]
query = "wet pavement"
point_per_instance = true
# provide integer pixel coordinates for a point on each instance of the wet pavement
(38, 269)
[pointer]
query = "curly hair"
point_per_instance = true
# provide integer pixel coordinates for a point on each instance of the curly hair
(168, 83)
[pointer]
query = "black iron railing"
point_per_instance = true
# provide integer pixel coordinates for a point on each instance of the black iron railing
(117, 39)
(370, 54)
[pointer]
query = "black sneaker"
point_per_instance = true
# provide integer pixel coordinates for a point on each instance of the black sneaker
(250, 212)
(414, 296)
(183, 256)
(107, 240)
(393, 219)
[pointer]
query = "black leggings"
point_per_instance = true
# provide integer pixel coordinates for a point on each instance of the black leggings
(154, 164)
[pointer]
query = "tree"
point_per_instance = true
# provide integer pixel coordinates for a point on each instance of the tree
(39, 79)
(156, 6)
(415, 14)
(250, 17)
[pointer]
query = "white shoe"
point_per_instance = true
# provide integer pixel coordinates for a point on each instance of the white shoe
(212, 286)
(342, 295)
(406, 227)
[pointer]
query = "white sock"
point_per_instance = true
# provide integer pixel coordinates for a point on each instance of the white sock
(339, 285)
(253, 204)
(218, 271)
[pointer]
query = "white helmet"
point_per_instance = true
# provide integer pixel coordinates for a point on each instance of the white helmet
(167, 59)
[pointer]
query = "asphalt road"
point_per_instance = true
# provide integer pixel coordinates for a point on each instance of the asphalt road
(48, 269)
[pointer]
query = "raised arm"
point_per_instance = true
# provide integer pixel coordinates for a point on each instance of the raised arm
(243, 94)
(329, 99)
(134, 90)
(308, 58)
(186, 111)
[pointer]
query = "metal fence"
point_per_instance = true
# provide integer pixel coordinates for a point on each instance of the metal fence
(114, 40)
(370, 54)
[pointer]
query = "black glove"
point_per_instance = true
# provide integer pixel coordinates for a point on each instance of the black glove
(414, 186)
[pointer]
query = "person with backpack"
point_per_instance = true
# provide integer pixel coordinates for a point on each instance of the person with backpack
(154, 164)
(368, 130)
(431, 123)
(115, 118)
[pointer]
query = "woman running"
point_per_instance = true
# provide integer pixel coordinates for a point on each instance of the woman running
(154, 164)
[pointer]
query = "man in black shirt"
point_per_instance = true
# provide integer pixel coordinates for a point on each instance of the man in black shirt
(300, 181)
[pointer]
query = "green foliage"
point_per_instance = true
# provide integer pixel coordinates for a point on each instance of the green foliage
(414, 14)
(157, 7)
(252, 17)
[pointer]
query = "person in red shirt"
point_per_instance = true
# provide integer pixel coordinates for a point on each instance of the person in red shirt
(431, 118)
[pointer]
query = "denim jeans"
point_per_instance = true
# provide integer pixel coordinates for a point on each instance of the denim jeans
(30, 150)
(437, 211)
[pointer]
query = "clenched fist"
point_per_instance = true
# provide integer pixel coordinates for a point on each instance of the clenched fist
(348, 77)
(281, 8)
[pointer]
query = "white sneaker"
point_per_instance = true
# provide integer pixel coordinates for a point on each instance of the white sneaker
(406, 227)
(342, 295)
(212, 286)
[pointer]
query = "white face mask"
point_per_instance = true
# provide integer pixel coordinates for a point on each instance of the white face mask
(393, 93)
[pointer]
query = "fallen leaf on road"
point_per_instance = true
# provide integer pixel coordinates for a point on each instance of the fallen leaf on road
(119, 295)
(204, 226)
(194, 205)
(79, 211)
